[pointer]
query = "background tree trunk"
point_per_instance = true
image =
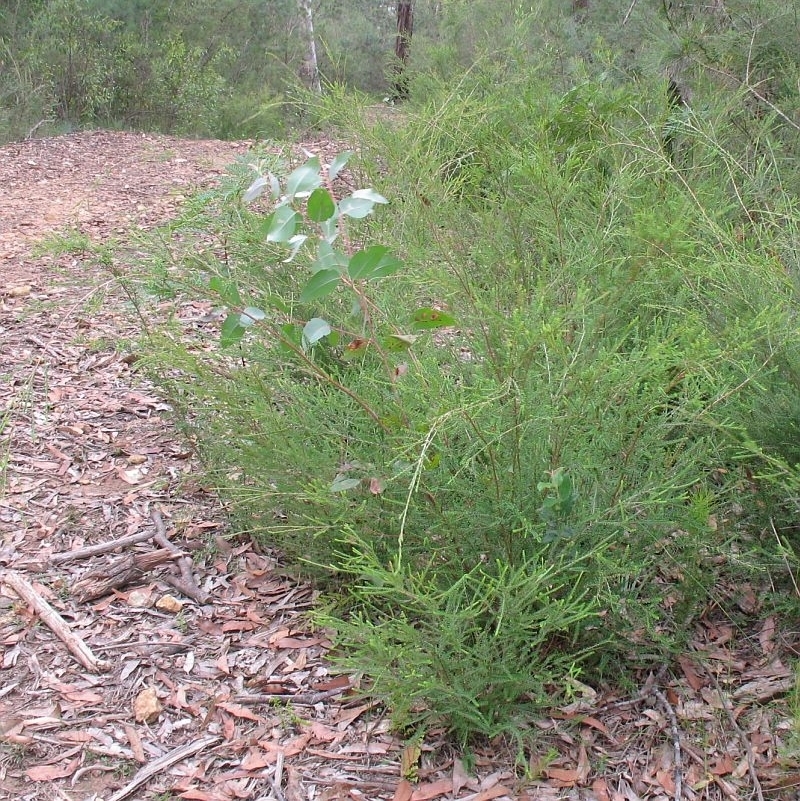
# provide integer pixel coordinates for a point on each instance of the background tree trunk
(405, 29)
(310, 68)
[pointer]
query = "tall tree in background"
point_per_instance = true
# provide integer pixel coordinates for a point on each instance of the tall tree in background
(405, 29)
(310, 68)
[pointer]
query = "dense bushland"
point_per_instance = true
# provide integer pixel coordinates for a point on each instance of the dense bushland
(527, 420)
(523, 422)
(236, 68)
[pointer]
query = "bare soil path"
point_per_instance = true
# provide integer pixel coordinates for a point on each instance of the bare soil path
(177, 664)
(89, 457)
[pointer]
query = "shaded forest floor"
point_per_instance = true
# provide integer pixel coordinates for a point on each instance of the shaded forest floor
(193, 674)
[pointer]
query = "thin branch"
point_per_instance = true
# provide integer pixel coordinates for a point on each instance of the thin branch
(103, 547)
(676, 741)
(76, 646)
(628, 12)
(161, 764)
(743, 738)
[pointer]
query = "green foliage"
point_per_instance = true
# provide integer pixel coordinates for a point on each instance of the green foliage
(69, 241)
(507, 448)
(518, 422)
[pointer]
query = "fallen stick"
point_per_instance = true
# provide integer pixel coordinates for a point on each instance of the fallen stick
(185, 583)
(118, 573)
(76, 646)
(676, 742)
(103, 547)
(162, 763)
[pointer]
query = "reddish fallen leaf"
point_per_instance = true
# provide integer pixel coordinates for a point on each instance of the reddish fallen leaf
(256, 760)
(323, 733)
(666, 780)
(584, 768)
(239, 711)
(295, 642)
(347, 716)
(460, 776)
(76, 736)
(600, 726)
(692, 677)
(566, 777)
(766, 637)
(208, 627)
(294, 786)
(741, 770)
(296, 746)
(600, 789)
(492, 792)
(47, 773)
(403, 792)
(205, 795)
(334, 684)
(239, 625)
(222, 664)
(424, 792)
(723, 764)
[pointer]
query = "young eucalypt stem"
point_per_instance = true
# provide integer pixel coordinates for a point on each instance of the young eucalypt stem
(308, 218)
(312, 224)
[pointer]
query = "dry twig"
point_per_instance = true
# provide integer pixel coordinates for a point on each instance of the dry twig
(103, 547)
(76, 646)
(184, 583)
(676, 741)
(162, 763)
(743, 739)
(119, 573)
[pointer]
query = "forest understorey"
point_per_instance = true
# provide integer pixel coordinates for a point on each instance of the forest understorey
(148, 652)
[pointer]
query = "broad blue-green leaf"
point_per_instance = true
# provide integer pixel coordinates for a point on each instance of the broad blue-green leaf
(369, 194)
(296, 242)
(320, 205)
(337, 164)
(232, 331)
(304, 180)
(256, 189)
(373, 262)
(283, 224)
(226, 289)
(314, 330)
(424, 319)
(330, 229)
(342, 483)
(322, 283)
(251, 315)
(329, 259)
(360, 203)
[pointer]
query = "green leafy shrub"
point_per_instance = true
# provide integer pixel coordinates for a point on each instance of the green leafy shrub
(516, 452)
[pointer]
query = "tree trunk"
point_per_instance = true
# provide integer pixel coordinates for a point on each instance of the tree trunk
(402, 44)
(310, 67)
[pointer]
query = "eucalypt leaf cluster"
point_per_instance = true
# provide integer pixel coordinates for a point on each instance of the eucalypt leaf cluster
(308, 218)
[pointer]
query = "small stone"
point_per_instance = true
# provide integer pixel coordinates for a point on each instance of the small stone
(139, 599)
(168, 603)
(146, 706)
